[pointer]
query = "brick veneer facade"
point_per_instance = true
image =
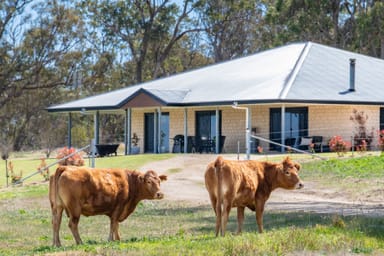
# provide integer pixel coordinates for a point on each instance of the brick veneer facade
(324, 120)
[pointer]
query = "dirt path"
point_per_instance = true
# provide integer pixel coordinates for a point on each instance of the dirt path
(186, 183)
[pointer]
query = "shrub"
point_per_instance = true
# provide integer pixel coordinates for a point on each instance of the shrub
(361, 136)
(338, 145)
(75, 159)
(135, 140)
(43, 170)
(362, 147)
(14, 177)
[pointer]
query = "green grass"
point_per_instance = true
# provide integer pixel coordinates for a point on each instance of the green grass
(164, 228)
(174, 170)
(353, 177)
(172, 229)
(27, 164)
(28, 191)
(181, 228)
(369, 167)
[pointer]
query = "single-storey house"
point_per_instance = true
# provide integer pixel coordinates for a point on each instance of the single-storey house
(281, 95)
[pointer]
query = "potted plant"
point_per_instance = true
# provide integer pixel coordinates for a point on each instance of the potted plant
(135, 149)
(162, 145)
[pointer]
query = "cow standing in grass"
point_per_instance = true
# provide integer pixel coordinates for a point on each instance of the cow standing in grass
(246, 184)
(88, 192)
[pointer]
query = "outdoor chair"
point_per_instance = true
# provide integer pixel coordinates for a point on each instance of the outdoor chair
(318, 143)
(178, 144)
(304, 143)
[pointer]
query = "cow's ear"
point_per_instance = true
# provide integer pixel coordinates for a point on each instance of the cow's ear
(298, 166)
(163, 177)
(287, 160)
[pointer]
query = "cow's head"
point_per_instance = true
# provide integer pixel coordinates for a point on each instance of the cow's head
(288, 176)
(151, 182)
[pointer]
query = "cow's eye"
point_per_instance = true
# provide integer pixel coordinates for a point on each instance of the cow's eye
(287, 173)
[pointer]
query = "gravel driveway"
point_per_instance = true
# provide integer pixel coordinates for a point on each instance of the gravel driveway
(186, 183)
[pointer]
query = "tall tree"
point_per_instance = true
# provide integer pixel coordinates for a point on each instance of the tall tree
(304, 20)
(232, 27)
(370, 29)
(142, 27)
(31, 58)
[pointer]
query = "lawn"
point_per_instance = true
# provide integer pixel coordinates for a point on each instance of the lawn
(27, 164)
(181, 228)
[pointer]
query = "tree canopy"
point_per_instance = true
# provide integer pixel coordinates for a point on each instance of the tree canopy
(55, 51)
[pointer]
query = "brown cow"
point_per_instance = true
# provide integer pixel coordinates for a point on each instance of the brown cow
(111, 192)
(246, 184)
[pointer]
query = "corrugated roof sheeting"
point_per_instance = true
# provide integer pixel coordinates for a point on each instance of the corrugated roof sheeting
(296, 72)
(325, 74)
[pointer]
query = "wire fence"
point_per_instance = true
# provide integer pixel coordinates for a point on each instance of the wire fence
(50, 165)
(289, 147)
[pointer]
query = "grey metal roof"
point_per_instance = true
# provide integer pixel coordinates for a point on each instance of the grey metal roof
(299, 72)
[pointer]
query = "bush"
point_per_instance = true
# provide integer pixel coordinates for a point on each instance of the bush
(44, 171)
(75, 159)
(338, 145)
(14, 177)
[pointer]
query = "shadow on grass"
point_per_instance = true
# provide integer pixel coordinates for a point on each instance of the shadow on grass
(199, 221)
(368, 225)
(351, 220)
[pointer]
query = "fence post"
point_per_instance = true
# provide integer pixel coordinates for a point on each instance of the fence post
(6, 171)
(93, 152)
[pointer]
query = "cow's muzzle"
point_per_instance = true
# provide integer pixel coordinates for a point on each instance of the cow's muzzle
(159, 195)
(299, 185)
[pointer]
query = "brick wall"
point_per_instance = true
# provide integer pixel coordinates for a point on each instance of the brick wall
(324, 120)
(329, 121)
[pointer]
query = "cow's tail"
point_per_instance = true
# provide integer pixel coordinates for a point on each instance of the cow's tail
(219, 211)
(56, 204)
(53, 186)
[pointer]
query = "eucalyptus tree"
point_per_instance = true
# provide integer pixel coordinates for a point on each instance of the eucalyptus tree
(34, 46)
(303, 20)
(233, 28)
(370, 29)
(144, 31)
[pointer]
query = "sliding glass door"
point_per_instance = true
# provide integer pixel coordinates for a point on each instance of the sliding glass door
(296, 125)
(206, 129)
(149, 132)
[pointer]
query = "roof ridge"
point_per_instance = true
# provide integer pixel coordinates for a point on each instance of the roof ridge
(295, 70)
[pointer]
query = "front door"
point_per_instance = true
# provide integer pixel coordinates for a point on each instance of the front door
(149, 133)
(296, 125)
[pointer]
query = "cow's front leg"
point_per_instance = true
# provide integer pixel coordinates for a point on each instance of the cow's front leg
(259, 213)
(114, 230)
(240, 219)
